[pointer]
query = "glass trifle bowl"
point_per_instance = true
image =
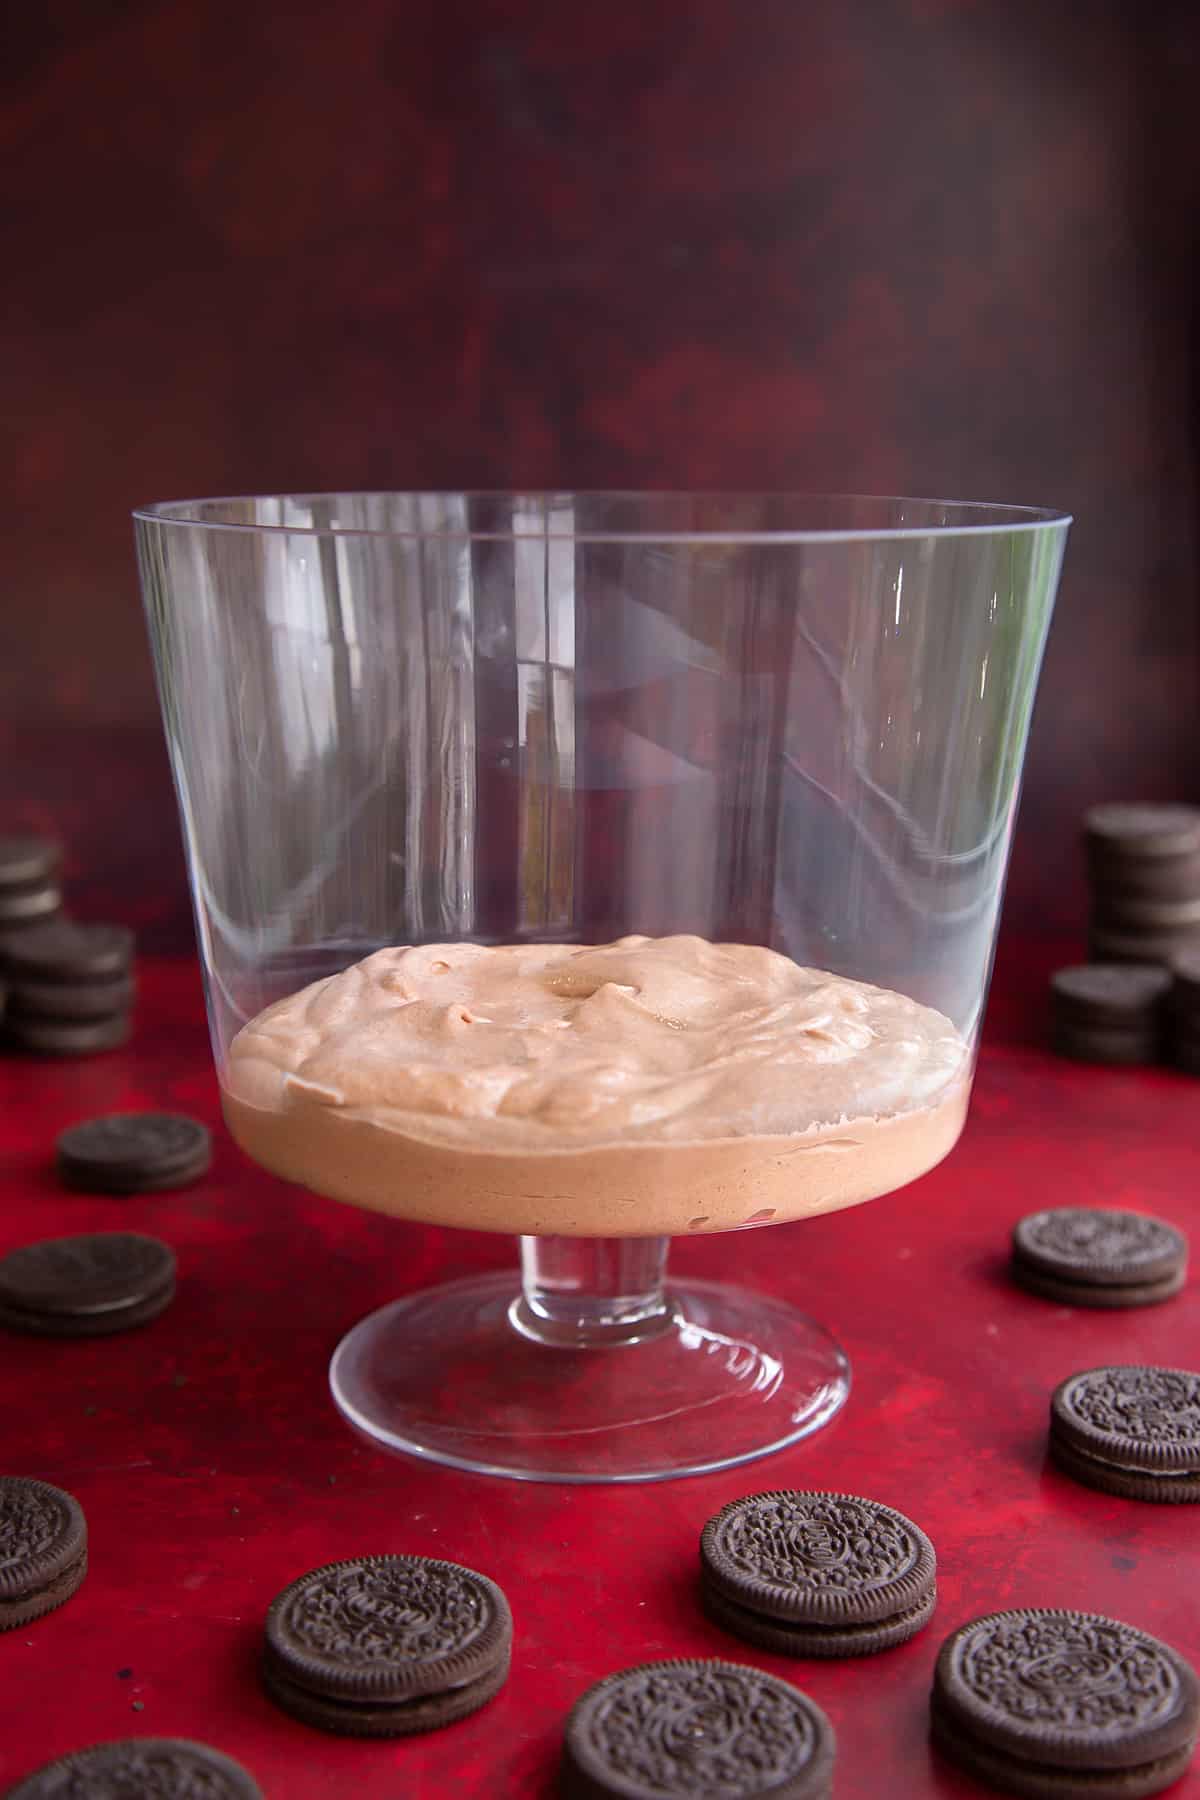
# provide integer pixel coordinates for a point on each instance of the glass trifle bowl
(595, 868)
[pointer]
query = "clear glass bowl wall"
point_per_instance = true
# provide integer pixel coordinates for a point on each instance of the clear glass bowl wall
(415, 718)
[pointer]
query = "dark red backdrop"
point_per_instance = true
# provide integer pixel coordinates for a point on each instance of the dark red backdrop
(910, 245)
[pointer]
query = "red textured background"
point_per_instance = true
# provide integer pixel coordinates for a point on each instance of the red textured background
(213, 1468)
(935, 246)
(931, 246)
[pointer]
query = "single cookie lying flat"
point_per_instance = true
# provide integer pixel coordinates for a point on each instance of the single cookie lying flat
(816, 1574)
(697, 1728)
(133, 1153)
(384, 1646)
(1062, 1705)
(86, 1286)
(1091, 1256)
(166, 1768)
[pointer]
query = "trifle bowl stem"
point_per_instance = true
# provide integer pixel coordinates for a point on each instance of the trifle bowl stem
(593, 1368)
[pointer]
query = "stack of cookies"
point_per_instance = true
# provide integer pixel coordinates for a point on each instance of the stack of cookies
(1183, 1017)
(1109, 1012)
(29, 890)
(69, 988)
(1144, 873)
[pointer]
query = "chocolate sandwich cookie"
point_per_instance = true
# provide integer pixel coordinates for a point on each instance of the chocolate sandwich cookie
(1131, 1430)
(1123, 880)
(138, 1768)
(29, 890)
(384, 1646)
(1064, 1706)
(816, 1574)
(26, 906)
(43, 1549)
(133, 1153)
(44, 1000)
(1110, 995)
(66, 1037)
(28, 862)
(1117, 911)
(1111, 1045)
(1133, 831)
(86, 1286)
(1108, 1012)
(1090, 1256)
(696, 1728)
(64, 952)
(1153, 944)
(69, 988)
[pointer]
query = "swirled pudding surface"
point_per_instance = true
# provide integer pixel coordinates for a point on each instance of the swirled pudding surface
(524, 1056)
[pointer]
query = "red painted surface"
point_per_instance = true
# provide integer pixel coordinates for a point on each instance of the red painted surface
(213, 1468)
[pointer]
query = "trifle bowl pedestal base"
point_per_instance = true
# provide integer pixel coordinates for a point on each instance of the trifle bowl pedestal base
(591, 1369)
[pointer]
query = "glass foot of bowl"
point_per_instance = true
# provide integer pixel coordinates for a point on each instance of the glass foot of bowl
(475, 1376)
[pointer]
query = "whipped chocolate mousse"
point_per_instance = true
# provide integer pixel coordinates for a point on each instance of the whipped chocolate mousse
(654, 1085)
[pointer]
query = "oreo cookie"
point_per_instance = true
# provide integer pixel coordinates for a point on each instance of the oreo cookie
(1091, 1256)
(64, 952)
(67, 1037)
(1130, 1429)
(43, 1549)
(167, 1768)
(28, 906)
(1109, 1012)
(29, 890)
(1139, 832)
(695, 1728)
(86, 1286)
(816, 1574)
(1118, 911)
(1121, 881)
(385, 1646)
(133, 1153)
(1110, 995)
(84, 1000)
(1116, 1048)
(69, 988)
(28, 862)
(1063, 1705)
(1159, 944)
(1144, 869)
